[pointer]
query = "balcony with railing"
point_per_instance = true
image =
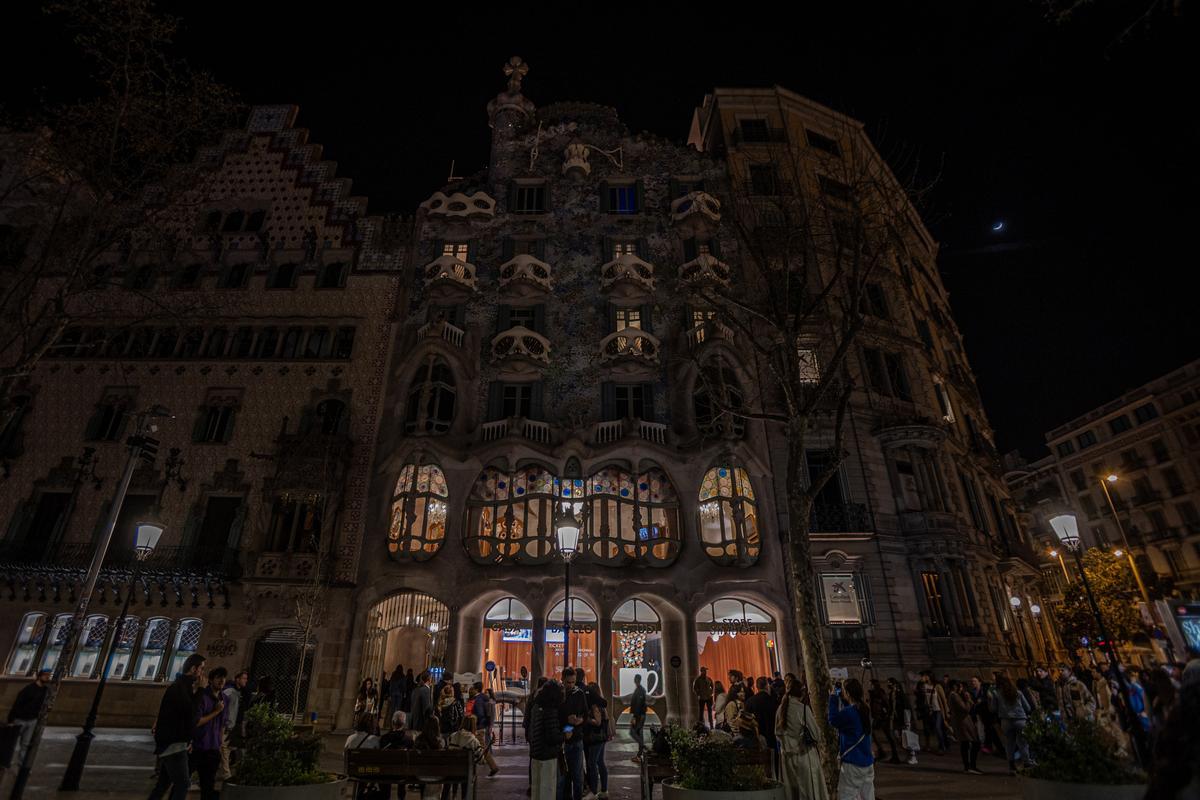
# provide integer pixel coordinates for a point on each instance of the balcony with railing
(845, 518)
(707, 331)
(617, 430)
(705, 270)
(446, 270)
(521, 344)
(525, 270)
(529, 429)
(630, 344)
(629, 271)
(459, 205)
(78, 556)
(695, 213)
(440, 329)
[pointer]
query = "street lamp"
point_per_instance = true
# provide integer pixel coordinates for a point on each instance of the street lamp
(1112, 477)
(145, 540)
(567, 533)
(1066, 528)
(1063, 564)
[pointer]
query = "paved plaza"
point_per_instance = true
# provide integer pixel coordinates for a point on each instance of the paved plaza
(120, 767)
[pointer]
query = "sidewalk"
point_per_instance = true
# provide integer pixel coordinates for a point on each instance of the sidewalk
(121, 767)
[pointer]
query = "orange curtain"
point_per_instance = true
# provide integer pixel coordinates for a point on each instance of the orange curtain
(509, 658)
(584, 645)
(746, 653)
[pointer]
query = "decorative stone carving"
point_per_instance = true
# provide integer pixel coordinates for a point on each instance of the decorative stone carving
(525, 269)
(696, 212)
(521, 343)
(575, 160)
(459, 205)
(705, 268)
(630, 343)
(628, 269)
(448, 270)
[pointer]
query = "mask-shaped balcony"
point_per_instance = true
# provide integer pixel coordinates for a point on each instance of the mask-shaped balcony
(631, 345)
(525, 270)
(695, 213)
(450, 271)
(458, 205)
(627, 270)
(521, 344)
(705, 269)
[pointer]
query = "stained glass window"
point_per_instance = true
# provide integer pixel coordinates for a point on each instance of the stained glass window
(418, 513)
(728, 516)
(631, 518)
(510, 514)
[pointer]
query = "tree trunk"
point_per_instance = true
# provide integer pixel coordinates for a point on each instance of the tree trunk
(806, 620)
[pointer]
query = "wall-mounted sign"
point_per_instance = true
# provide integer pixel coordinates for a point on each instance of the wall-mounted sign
(841, 599)
(490, 666)
(676, 662)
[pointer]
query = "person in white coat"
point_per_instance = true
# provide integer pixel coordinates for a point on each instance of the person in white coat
(797, 731)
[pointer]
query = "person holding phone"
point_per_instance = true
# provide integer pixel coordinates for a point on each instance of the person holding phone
(571, 714)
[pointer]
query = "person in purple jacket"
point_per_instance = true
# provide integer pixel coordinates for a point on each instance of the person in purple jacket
(206, 739)
(852, 718)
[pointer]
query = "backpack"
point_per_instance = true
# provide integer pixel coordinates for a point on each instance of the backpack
(471, 707)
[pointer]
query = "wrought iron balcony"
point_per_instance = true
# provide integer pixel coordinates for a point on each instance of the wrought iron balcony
(448, 270)
(77, 556)
(526, 269)
(630, 343)
(458, 205)
(846, 518)
(627, 269)
(521, 343)
(705, 269)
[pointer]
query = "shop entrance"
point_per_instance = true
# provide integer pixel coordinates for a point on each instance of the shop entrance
(736, 635)
(583, 638)
(407, 629)
(508, 646)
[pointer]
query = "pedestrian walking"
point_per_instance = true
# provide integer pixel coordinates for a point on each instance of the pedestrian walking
(902, 718)
(234, 713)
(596, 733)
(936, 704)
(881, 720)
(1013, 711)
(852, 718)
(800, 758)
(702, 690)
(637, 713)
(397, 686)
(963, 723)
(25, 710)
(173, 727)
(483, 710)
(367, 701)
(208, 736)
(545, 741)
(571, 713)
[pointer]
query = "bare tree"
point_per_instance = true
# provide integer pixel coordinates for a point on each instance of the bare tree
(814, 231)
(92, 181)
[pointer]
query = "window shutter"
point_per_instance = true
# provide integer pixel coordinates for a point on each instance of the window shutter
(612, 318)
(643, 249)
(698, 186)
(689, 249)
(504, 319)
(506, 250)
(604, 209)
(438, 244)
(866, 604)
(539, 249)
(473, 250)
(93, 426)
(608, 401)
(821, 600)
(60, 524)
(201, 424)
(539, 318)
(512, 197)
(457, 316)
(495, 406)
(639, 195)
(536, 409)
(648, 402)
(606, 250)
(227, 434)
(19, 523)
(239, 521)
(546, 197)
(648, 317)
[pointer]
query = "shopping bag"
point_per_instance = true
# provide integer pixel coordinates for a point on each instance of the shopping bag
(911, 741)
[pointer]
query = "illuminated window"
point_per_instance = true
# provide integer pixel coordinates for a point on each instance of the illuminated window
(728, 516)
(624, 249)
(58, 637)
(456, 250)
(628, 318)
(155, 638)
(187, 641)
(29, 638)
(418, 513)
(631, 518)
(507, 643)
(509, 515)
(90, 647)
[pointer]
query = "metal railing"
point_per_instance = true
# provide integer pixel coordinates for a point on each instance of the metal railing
(78, 555)
(451, 333)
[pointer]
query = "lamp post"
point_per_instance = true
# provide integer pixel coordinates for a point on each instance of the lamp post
(1112, 477)
(1022, 634)
(567, 533)
(1063, 564)
(146, 540)
(1066, 527)
(141, 447)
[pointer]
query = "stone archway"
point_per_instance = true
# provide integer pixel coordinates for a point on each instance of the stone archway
(408, 628)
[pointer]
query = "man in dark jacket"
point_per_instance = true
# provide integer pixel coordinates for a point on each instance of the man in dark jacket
(25, 711)
(421, 703)
(637, 710)
(1043, 684)
(173, 730)
(572, 712)
(763, 706)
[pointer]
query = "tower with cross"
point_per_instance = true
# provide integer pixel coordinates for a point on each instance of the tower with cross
(510, 114)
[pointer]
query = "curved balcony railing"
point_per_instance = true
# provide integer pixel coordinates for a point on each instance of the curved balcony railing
(439, 328)
(627, 268)
(696, 207)
(521, 343)
(705, 268)
(525, 269)
(631, 343)
(460, 205)
(448, 269)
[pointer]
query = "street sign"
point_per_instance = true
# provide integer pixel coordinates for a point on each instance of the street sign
(840, 673)
(490, 666)
(676, 662)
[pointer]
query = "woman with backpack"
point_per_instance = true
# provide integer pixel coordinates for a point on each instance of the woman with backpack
(1013, 711)
(595, 737)
(852, 718)
(797, 731)
(449, 711)
(545, 741)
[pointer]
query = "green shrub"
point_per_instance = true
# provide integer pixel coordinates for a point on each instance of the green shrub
(711, 766)
(1083, 752)
(274, 755)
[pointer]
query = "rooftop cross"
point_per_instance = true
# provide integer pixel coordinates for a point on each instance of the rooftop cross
(515, 69)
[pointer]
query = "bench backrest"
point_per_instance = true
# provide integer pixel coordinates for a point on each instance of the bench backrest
(392, 765)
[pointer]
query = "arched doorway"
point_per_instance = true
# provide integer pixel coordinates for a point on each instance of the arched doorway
(583, 638)
(637, 650)
(409, 629)
(279, 655)
(734, 634)
(508, 646)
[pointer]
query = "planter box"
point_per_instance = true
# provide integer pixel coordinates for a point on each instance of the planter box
(314, 791)
(1037, 789)
(673, 792)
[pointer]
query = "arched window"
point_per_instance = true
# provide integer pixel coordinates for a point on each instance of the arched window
(155, 638)
(716, 401)
(124, 648)
(637, 649)
(187, 641)
(29, 638)
(510, 516)
(737, 635)
(418, 513)
(728, 517)
(631, 518)
(332, 417)
(431, 399)
(58, 637)
(583, 637)
(91, 644)
(508, 643)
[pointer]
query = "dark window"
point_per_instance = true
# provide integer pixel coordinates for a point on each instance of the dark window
(823, 143)
(164, 345)
(343, 342)
(1065, 449)
(623, 199)
(233, 222)
(243, 340)
(431, 399)
(835, 189)
(214, 347)
(1173, 481)
(931, 583)
(215, 425)
(897, 377)
(973, 506)
(1187, 512)
(295, 524)
(755, 130)
(283, 277)
(830, 496)
(319, 344)
(763, 180)
(1088, 505)
(1145, 413)
(1078, 480)
(189, 345)
(332, 276)
(876, 372)
(876, 301)
(212, 222)
(254, 222)
(521, 316)
(10, 432)
(189, 276)
(235, 276)
(529, 199)
(140, 279)
(923, 332)
(1130, 459)
(140, 341)
(46, 525)
(516, 400)
(220, 518)
(627, 401)
(1159, 449)
(68, 342)
(1085, 439)
(332, 417)
(108, 420)
(266, 343)
(717, 402)
(1119, 424)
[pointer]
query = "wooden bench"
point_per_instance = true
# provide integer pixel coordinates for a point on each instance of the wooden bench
(656, 768)
(413, 766)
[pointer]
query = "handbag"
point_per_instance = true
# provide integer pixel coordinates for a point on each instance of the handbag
(911, 740)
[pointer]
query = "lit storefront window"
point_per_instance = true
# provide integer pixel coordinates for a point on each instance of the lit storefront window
(58, 637)
(583, 638)
(187, 641)
(637, 649)
(124, 649)
(154, 649)
(508, 643)
(29, 639)
(91, 645)
(733, 634)
(418, 513)
(728, 516)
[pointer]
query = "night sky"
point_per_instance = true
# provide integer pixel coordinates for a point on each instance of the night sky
(1082, 141)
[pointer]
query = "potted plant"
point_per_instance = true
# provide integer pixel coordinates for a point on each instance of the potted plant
(713, 770)
(277, 764)
(1081, 761)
